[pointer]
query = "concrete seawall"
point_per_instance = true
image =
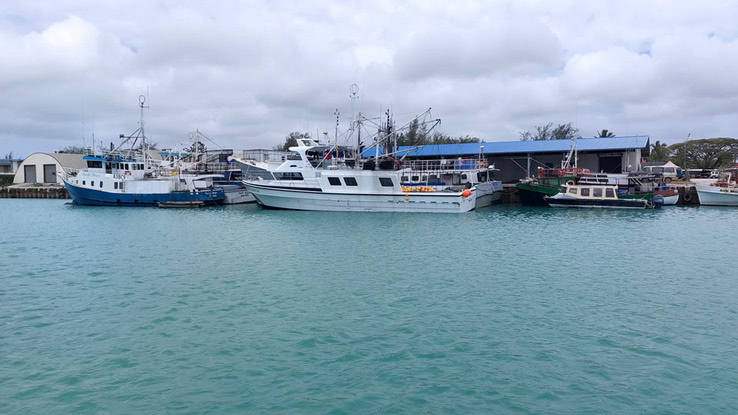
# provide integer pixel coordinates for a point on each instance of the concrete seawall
(29, 191)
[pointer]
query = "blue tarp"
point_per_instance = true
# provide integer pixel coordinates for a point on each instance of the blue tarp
(518, 147)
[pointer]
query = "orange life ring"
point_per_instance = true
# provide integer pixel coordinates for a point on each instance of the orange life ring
(570, 183)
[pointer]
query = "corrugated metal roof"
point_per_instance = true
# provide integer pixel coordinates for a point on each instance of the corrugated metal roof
(513, 147)
(69, 160)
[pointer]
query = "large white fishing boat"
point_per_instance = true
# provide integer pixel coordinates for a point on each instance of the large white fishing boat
(312, 179)
(724, 192)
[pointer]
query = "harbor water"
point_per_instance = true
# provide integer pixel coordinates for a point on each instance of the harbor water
(242, 310)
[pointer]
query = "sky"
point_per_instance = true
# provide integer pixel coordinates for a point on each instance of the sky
(247, 73)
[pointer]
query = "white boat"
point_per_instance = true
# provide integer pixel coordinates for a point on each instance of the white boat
(131, 178)
(455, 175)
(313, 180)
(724, 192)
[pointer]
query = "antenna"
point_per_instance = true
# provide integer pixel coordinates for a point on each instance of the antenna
(354, 89)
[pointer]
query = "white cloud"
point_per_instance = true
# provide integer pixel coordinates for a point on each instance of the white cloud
(248, 73)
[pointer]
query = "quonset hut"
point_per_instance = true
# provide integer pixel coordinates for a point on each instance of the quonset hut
(520, 159)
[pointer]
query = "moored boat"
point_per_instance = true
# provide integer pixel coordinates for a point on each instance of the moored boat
(723, 192)
(547, 182)
(456, 175)
(594, 196)
(132, 178)
(309, 180)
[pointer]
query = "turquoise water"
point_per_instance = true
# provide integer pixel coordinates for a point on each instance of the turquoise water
(241, 310)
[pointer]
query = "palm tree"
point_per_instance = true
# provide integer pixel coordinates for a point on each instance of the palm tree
(605, 133)
(659, 152)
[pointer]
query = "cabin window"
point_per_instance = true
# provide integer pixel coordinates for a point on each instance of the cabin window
(463, 177)
(115, 185)
(585, 191)
(350, 181)
(386, 181)
(334, 181)
(135, 166)
(92, 183)
(597, 192)
(84, 182)
(609, 193)
(127, 166)
(94, 164)
(101, 184)
(415, 178)
(403, 178)
(425, 178)
(573, 190)
(288, 176)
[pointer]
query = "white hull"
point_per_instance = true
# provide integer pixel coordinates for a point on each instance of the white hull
(237, 196)
(294, 199)
(717, 196)
(671, 200)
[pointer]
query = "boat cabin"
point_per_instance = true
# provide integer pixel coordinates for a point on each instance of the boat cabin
(588, 191)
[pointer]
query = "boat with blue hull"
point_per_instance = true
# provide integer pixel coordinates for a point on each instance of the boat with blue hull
(134, 178)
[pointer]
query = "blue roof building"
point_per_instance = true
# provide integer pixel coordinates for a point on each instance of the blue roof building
(518, 159)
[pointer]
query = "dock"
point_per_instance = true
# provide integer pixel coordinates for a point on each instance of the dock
(34, 191)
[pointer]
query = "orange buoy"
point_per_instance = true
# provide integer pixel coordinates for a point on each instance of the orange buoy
(466, 193)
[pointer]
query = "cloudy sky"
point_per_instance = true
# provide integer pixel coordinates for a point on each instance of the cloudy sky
(246, 73)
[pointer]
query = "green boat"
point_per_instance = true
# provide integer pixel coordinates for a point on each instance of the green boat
(548, 183)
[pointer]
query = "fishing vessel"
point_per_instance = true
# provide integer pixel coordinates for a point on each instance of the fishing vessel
(312, 179)
(547, 182)
(532, 191)
(131, 177)
(576, 195)
(723, 192)
(455, 175)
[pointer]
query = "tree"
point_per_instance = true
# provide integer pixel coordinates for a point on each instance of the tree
(291, 141)
(659, 152)
(707, 153)
(9, 156)
(549, 132)
(605, 133)
(73, 150)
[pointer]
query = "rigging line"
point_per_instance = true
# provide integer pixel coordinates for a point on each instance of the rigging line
(203, 134)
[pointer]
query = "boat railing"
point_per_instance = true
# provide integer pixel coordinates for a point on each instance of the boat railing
(444, 165)
(567, 172)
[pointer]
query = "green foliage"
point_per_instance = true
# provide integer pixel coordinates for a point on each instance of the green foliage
(291, 141)
(73, 150)
(6, 179)
(9, 156)
(659, 152)
(604, 134)
(417, 135)
(707, 153)
(549, 132)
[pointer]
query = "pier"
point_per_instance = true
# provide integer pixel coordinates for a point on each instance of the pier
(34, 191)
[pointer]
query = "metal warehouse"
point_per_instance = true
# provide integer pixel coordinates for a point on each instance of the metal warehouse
(519, 159)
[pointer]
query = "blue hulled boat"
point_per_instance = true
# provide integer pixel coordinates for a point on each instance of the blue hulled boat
(133, 178)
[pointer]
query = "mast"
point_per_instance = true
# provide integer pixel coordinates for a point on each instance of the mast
(145, 146)
(354, 89)
(337, 114)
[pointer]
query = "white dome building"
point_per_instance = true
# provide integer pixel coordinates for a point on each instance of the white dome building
(43, 167)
